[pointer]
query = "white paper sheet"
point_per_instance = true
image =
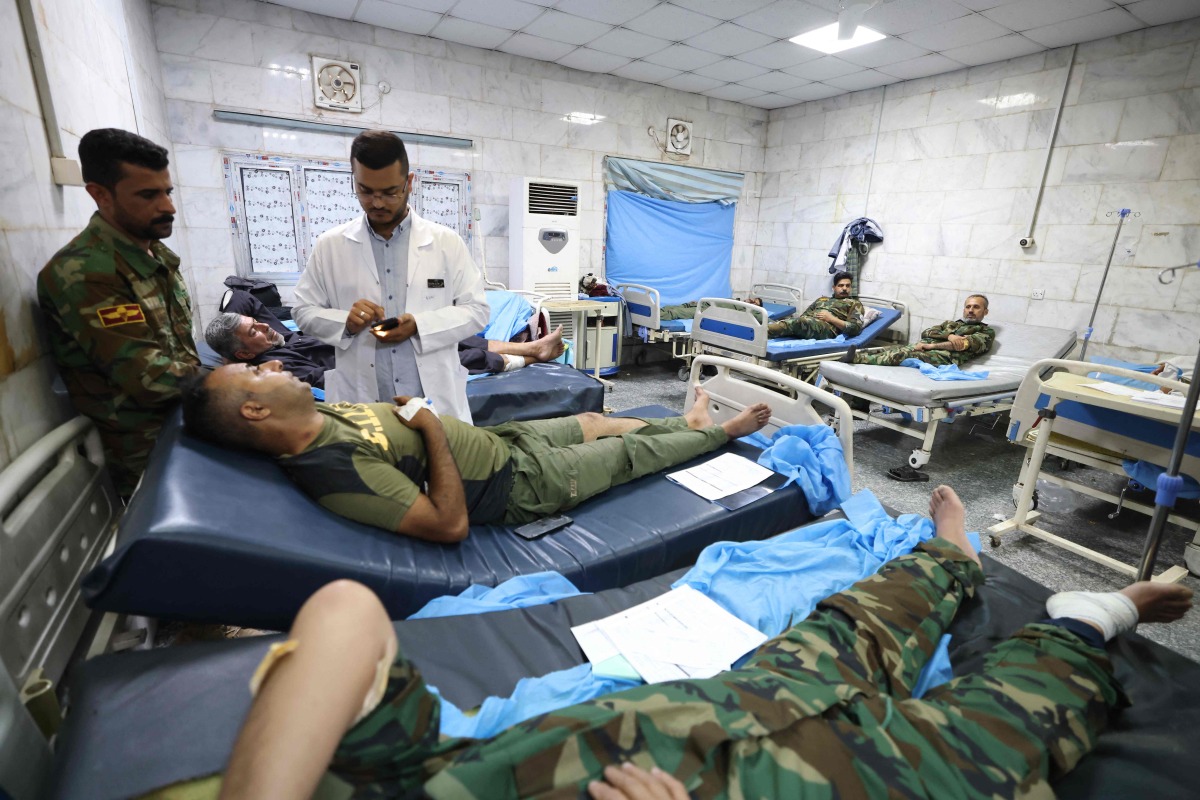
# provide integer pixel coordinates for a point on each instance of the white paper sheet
(1160, 399)
(1119, 389)
(721, 476)
(681, 634)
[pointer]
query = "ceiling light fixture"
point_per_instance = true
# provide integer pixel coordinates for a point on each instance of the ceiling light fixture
(582, 118)
(826, 39)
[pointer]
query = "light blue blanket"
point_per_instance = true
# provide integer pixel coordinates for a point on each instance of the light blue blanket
(788, 345)
(812, 458)
(509, 315)
(943, 372)
(768, 584)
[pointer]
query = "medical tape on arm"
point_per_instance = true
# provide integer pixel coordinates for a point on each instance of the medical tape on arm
(278, 651)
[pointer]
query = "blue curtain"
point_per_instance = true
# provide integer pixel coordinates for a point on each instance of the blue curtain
(684, 250)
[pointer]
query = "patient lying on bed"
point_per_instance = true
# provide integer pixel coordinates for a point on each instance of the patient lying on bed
(427, 477)
(826, 706)
(238, 337)
(955, 341)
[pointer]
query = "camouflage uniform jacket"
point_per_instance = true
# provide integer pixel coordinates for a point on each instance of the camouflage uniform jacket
(120, 325)
(979, 336)
(849, 310)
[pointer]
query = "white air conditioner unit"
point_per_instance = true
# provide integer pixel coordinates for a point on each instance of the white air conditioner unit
(543, 237)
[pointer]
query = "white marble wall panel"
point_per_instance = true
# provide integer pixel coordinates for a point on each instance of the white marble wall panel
(1157, 115)
(1136, 74)
(933, 239)
(992, 135)
(905, 112)
(1183, 158)
(960, 172)
(1157, 331)
(1138, 160)
(1168, 245)
(417, 111)
(966, 102)
(959, 273)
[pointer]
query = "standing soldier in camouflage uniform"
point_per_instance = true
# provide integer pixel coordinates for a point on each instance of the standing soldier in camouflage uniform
(826, 317)
(823, 710)
(117, 310)
(955, 341)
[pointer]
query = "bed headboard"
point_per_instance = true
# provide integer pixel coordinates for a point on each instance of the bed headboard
(781, 293)
(898, 331)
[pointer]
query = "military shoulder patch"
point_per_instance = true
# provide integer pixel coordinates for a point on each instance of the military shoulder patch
(113, 316)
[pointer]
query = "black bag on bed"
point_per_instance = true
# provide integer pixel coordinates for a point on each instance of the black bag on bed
(266, 292)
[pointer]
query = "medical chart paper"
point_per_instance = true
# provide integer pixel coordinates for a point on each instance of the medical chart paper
(1117, 389)
(721, 476)
(681, 634)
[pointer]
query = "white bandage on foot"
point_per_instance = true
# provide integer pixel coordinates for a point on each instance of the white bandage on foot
(513, 362)
(1113, 612)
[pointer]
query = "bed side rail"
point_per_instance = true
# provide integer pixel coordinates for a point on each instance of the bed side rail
(1024, 413)
(737, 385)
(539, 320)
(782, 293)
(57, 517)
(731, 324)
(642, 304)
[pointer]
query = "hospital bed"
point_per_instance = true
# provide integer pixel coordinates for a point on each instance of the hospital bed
(929, 402)
(1062, 415)
(739, 330)
(643, 306)
(217, 535)
(147, 719)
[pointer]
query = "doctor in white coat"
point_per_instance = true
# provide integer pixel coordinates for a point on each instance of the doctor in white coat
(391, 263)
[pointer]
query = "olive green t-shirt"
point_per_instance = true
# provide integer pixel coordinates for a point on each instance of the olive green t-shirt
(366, 465)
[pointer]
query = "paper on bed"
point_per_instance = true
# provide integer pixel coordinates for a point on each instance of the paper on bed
(1118, 389)
(721, 476)
(681, 634)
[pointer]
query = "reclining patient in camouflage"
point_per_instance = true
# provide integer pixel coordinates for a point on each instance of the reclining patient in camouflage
(823, 710)
(955, 341)
(825, 318)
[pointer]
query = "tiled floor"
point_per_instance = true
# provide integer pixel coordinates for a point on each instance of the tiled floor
(982, 467)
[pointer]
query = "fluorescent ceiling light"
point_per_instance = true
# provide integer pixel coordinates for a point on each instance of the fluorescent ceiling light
(582, 118)
(826, 39)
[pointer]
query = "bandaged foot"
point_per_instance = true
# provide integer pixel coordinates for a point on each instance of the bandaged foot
(513, 362)
(1108, 612)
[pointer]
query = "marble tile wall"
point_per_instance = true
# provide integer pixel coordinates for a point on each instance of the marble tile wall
(950, 166)
(221, 52)
(103, 72)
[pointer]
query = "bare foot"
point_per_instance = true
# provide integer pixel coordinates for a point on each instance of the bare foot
(949, 519)
(549, 347)
(751, 419)
(1159, 602)
(697, 416)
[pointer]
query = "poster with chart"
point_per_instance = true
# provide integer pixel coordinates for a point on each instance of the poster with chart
(331, 201)
(270, 219)
(443, 198)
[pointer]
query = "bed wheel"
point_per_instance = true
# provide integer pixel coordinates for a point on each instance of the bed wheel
(918, 459)
(684, 373)
(1016, 497)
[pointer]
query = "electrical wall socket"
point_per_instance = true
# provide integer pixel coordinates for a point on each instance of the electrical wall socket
(1039, 294)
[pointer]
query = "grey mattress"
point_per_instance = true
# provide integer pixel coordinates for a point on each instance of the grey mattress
(1016, 348)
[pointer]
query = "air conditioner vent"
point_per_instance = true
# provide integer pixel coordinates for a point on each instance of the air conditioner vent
(551, 198)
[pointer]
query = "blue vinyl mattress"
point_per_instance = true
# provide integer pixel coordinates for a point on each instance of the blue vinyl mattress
(538, 391)
(216, 535)
(775, 311)
(785, 349)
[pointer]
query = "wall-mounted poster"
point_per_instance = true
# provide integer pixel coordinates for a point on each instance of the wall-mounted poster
(270, 219)
(331, 201)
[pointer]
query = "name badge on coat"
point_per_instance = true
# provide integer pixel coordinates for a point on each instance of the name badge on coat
(435, 283)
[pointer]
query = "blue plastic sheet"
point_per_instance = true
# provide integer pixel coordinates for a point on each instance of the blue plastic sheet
(788, 345)
(519, 592)
(509, 315)
(811, 456)
(1147, 474)
(771, 585)
(943, 372)
(1130, 365)
(682, 249)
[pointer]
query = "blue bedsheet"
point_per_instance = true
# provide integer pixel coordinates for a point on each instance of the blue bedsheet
(509, 315)
(944, 372)
(770, 585)
(812, 458)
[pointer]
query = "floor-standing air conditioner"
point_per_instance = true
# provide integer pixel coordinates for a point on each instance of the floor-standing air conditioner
(543, 241)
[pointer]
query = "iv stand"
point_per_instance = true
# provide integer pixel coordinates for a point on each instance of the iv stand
(1169, 483)
(1087, 335)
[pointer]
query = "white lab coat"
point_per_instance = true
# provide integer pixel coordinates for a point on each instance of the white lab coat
(342, 269)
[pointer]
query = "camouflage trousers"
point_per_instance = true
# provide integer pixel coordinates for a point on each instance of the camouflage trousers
(823, 710)
(801, 327)
(680, 311)
(892, 356)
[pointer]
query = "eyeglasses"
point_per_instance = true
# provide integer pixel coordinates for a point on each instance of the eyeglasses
(387, 197)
